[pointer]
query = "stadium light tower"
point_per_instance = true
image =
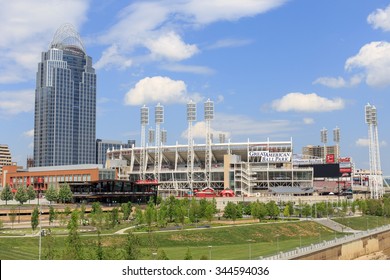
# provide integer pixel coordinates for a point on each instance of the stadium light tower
(164, 136)
(159, 119)
(208, 116)
(324, 140)
(376, 179)
(151, 136)
(144, 123)
(336, 139)
(191, 117)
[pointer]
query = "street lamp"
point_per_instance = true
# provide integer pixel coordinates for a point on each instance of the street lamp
(277, 243)
(210, 251)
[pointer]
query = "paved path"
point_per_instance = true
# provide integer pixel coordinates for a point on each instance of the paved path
(334, 225)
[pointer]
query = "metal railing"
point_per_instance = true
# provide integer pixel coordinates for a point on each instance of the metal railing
(306, 250)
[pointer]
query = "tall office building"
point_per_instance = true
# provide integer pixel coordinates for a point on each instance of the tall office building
(65, 103)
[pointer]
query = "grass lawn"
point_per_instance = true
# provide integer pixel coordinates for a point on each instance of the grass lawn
(234, 242)
(363, 222)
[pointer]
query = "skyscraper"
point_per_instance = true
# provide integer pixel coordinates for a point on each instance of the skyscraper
(65, 103)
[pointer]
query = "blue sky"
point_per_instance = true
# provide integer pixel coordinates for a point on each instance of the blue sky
(276, 69)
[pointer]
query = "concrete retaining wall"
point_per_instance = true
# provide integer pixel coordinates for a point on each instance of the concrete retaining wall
(354, 249)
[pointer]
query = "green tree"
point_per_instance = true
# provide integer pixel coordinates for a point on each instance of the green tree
(132, 249)
(194, 210)
(31, 194)
(82, 214)
(67, 211)
(139, 216)
(97, 215)
(180, 214)
(290, 208)
(50, 246)
(162, 215)
(158, 200)
(114, 217)
(188, 255)
(96, 207)
(306, 210)
(21, 194)
(171, 206)
(99, 247)
(286, 211)
(161, 255)
(6, 194)
(230, 211)
(51, 194)
(12, 215)
(73, 244)
(386, 206)
(273, 209)
(258, 210)
(65, 194)
(52, 215)
(35, 218)
(374, 207)
(150, 214)
(209, 212)
(125, 209)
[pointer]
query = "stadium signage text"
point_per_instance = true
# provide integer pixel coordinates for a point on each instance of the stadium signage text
(298, 161)
(266, 156)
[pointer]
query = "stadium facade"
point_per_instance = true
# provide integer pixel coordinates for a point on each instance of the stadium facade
(249, 169)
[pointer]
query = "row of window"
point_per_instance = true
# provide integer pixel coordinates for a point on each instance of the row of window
(53, 179)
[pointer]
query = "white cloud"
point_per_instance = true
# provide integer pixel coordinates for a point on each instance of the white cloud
(229, 43)
(27, 28)
(364, 142)
(159, 89)
(374, 60)
(380, 19)
(311, 102)
(241, 127)
(308, 121)
(155, 26)
(338, 82)
(112, 58)
(188, 69)
(170, 46)
(16, 102)
(206, 12)
(220, 99)
(29, 133)
(199, 132)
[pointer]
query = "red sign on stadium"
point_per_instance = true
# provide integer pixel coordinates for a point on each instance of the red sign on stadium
(330, 158)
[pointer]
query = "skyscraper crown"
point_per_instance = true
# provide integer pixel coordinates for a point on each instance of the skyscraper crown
(67, 38)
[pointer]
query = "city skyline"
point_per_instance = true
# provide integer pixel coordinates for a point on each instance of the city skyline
(275, 69)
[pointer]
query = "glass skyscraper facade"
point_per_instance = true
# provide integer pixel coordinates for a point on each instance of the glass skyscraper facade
(65, 103)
